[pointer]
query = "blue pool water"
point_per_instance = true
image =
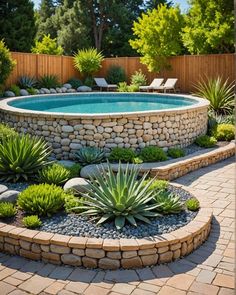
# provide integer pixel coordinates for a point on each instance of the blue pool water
(101, 103)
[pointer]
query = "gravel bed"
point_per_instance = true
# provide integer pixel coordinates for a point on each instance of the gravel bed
(18, 186)
(76, 225)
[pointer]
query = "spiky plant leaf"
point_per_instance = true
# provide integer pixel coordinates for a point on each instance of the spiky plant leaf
(90, 155)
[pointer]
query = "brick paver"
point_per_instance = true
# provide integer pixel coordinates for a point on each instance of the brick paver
(208, 270)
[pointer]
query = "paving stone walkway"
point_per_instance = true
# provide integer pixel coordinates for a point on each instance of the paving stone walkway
(209, 270)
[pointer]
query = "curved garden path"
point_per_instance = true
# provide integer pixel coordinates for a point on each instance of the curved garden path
(209, 270)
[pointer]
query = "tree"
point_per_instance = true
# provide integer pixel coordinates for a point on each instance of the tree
(158, 35)
(47, 46)
(6, 63)
(17, 24)
(209, 27)
(151, 4)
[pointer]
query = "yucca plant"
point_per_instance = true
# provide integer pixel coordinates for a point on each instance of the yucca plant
(54, 174)
(169, 203)
(49, 81)
(22, 157)
(219, 93)
(120, 197)
(27, 82)
(90, 155)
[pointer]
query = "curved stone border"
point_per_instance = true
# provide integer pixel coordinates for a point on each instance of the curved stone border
(107, 253)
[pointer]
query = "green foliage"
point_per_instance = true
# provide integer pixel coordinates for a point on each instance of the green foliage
(49, 81)
(220, 94)
(133, 88)
(7, 210)
(73, 204)
(214, 120)
(31, 91)
(152, 154)
(89, 155)
(42, 199)
(74, 82)
(225, 132)
(123, 87)
(74, 170)
(124, 155)
(209, 27)
(88, 61)
(89, 81)
(120, 197)
(157, 184)
(7, 64)
(175, 153)
(6, 132)
(54, 174)
(21, 157)
(192, 204)
(47, 46)
(14, 88)
(137, 160)
(32, 221)
(169, 202)
(157, 36)
(138, 78)
(206, 141)
(27, 82)
(115, 75)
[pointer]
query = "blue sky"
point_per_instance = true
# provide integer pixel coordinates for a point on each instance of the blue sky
(183, 3)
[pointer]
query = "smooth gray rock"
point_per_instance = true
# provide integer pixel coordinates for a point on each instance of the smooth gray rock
(84, 89)
(52, 90)
(37, 91)
(3, 188)
(78, 184)
(58, 90)
(45, 90)
(9, 94)
(9, 196)
(66, 163)
(67, 85)
(24, 92)
(41, 91)
(71, 90)
(90, 171)
(63, 89)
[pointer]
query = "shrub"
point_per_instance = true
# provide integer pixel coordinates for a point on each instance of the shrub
(138, 78)
(90, 155)
(54, 174)
(206, 141)
(73, 204)
(74, 82)
(169, 203)
(133, 88)
(7, 210)
(14, 88)
(27, 82)
(32, 91)
(48, 81)
(88, 61)
(192, 204)
(42, 199)
(220, 94)
(157, 184)
(176, 153)
(119, 196)
(89, 82)
(47, 46)
(74, 170)
(137, 160)
(152, 154)
(123, 87)
(32, 221)
(115, 75)
(22, 157)
(7, 64)
(225, 132)
(6, 132)
(122, 154)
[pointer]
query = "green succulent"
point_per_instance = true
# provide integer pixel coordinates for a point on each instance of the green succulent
(192, 204)
(7, 210)
(73, 204)
(157, 184)
(90, 155)
(32, 221)
(169, 203)
(22, 157)
(27, 82)
(120, 197)
(54, 174)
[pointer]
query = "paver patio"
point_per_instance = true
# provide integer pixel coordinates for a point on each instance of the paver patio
(208, 270)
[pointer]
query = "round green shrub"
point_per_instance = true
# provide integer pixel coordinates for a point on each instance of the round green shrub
(7, 210)
(32, 221)
(225, 132)
(175, 153)
(192, 204)
(206, 141)
(133, 88)
(73, 204)
(6, 63)
(138, 78)
(122, 154)
(115, 75)
(123, 87)
(6, 132)
(157, 184)
(54, 174)
(152, 154)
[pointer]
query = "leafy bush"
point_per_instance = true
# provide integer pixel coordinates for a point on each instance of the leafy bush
(41, 199)
(74, 170)
(54, 174)
(32, 91)
(157, 184)
(7, 210)
(133, 88)
(22, 157)
(206, 141)
(192, 204)
(115, 75)
(32, 221)
(88, 61)
(138, 78)
(176, 153)
(6, 132)
(7, 64)
(119, 196)
(123, 87)
(225, 132)
(123, 155)
(47, 46)
(27, 82)
(90, 155)
(220, 94)
(74, 82)
(152, 154)
(49, 81)
(169, 203)
(73, 204)
(14, 88)
(89, 81)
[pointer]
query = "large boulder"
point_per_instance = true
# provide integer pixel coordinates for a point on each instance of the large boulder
(52, 90)
(67, 85)
(24, 92)
(9, 196)
(66, 163)
(45, 90)
(90, 171)
(84, 89)
(71, 90)
(58, 90)
(9, 94)
(3, 188)
(63, 89)
(78, 184)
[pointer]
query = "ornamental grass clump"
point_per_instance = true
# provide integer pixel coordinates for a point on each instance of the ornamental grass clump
(169, 203)
(119, 197)
(7, 210)
(89, 155)
(32, 221)
(21, 157)
(54, 174)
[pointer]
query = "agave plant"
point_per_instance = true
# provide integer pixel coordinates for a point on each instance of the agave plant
(220, 94)
(90, 155)
(168, 202)
(120, 197)
(22, 157)
(27, 82)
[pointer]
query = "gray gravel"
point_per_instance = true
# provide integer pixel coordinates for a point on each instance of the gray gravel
(19, 186)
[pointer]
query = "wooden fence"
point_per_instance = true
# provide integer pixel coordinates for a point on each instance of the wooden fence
(187, 68)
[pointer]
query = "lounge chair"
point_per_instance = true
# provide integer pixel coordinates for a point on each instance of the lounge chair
(102, 83)
(169, 85)
(154, 85)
